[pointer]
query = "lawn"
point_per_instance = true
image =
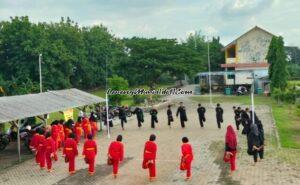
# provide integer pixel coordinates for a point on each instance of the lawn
(287, 116)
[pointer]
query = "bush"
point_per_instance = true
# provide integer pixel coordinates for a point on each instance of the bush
(138, 99)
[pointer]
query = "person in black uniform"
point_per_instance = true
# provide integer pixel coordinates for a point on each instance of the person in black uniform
(254, 143)
(122, 116)
(219, 115)
(182, 112)
(245, 120)
(261, 137)
(153, 113)
(170, 116)
(201, 113)
(139, 116)
(237, 116)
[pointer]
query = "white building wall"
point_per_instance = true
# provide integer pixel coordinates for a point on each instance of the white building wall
(253, 47)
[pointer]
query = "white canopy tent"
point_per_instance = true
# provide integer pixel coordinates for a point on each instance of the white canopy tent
(14, 108)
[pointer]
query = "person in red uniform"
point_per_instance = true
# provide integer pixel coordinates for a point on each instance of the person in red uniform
(50, 149)
(150, 157)
(61, 137)
(78, 130)
(89, 152)
(34, 145)
(41, 149)
(70, 152)
(116, 154)
(187, 157)
(230, 148)
(55, 136)
(86, 126)
(94, 127)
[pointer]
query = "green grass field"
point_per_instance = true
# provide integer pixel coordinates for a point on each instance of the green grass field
(287, 116)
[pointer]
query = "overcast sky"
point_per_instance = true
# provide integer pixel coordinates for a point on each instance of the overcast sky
(168, 18)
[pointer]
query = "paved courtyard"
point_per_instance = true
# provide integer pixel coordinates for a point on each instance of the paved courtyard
(207, 167)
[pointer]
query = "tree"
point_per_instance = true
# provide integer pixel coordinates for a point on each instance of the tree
(278, 64)
(271, 55)
(117, 83)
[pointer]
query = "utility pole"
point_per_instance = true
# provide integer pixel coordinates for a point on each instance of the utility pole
(40, 71)
(252, 97)
(209, 74)
(106, 96)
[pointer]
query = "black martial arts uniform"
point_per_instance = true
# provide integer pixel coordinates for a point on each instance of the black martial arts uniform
(182, 114)
(170, 116)
(201, 113)
(139, 116)
(153, 113)
(219, 116)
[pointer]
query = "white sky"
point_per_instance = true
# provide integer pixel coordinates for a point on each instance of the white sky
(168, 18)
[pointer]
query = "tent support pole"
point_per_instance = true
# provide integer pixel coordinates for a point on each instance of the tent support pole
(19, 140)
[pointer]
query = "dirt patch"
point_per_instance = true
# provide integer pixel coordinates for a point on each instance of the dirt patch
(101, 171)
(224, 177)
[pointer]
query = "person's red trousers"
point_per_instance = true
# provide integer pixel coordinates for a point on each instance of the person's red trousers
(41, 158)
(37, 158)
(115, 166)
(152, 170)
(188, 169)
(71, 159)
(91, 164)
(232, 161)
(48, 160)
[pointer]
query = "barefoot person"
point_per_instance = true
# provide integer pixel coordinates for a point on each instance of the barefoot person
(70, 152)
(139, 116)
(201, 113)
(41, 149)
(153, 113)
(116, 154)
(261, 139)
(237, 116)
(89, 152)
(170, 116)
(254, 144)
(219, 115)
(182, 114)
(34, 145)
(230, 148)
(50, 149)
(122, 116)
(187, 157)
(150, 157)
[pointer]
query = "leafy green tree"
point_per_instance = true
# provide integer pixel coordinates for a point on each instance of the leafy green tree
(117, 83)
(271, 56)
(278, 70)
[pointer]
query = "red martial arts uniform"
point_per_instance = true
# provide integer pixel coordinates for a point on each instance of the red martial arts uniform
(230, 147)
(90, 152)
(70, 151)
(94, 128)
(186, 158)
(86, 126)
(78, 131)
(49, 151)
(61, 135)
(116, 153)
(149, 158)
(41, 150)
(34, 146)
(67, 131)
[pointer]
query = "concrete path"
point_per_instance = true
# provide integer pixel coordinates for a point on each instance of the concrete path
(208, 145)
